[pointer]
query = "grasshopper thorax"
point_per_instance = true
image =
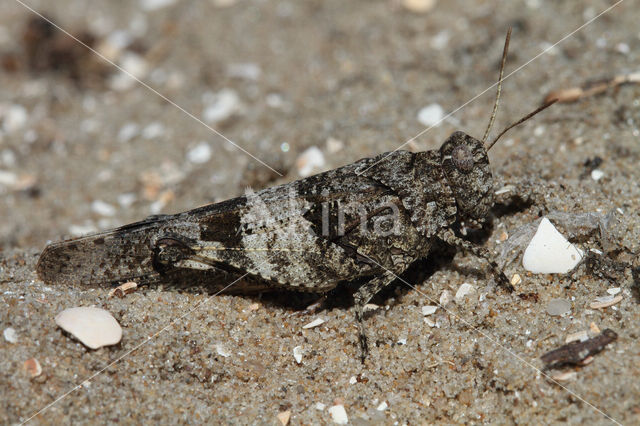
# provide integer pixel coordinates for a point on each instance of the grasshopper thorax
(465, 164)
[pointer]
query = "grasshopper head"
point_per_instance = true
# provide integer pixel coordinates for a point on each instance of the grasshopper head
(466, 166)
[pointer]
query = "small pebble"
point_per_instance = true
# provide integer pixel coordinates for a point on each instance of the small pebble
(128, 132)
(431, 115)
(10, 335)
(127, 199)
(382, 406)
(402, 341)
(516, 279)
(222, 350)
(246, 71)
(319, 406)
(297, 354)
(557, 307)
(200, 154)
(463, 291)
(316, 322)
(33, 367)
(594, 328)
(419, 6)
(221, 106)
(429, 310)
(580, 335)
(255, 307)
(151, 5)
(429, 322)
(310, 161)
(597, 174)
(445, 298)
(565, 376)
(605, 301)
(338, 414)
(284, 417)
(15, 117)
(613, 291)
(93, 327)
(353, 380)
(549, 252)
(153, 130)
(103, 208)
(334, 145)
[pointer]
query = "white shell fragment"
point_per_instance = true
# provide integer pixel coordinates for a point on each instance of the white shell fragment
(382, 406)
(557, 307)
(297, 354)
(549, 252)
(222, 350)
(613, 290)
(338, 414)
(463, 291)
(316, 322)
(605, 301)
(429, 310)
(199, 154)
(431, 115)
(94, 327)
(310, 161)
(10, 335)
(445, 298)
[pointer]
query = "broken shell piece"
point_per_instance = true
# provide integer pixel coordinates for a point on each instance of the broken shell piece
(93, 327)
(10, 335)
(284, 417)
(463, 291)
(580, 335)
(33, 367)
(123, 289)
(338, 414)
(565, 376)
(549, 252)
(316, 322)
(445, 298)
(613, 291)
(429, 310)
(515, 280)
(605, 301)
(297, 354)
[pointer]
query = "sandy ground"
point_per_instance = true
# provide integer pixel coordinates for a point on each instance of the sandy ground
(296, 75)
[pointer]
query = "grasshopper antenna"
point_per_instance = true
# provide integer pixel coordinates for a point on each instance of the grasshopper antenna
(495, 105)
(522, 120)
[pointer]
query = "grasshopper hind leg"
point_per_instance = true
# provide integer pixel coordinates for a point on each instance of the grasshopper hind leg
(364, 294)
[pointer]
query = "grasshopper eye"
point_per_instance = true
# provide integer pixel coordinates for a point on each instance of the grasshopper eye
(462, 158)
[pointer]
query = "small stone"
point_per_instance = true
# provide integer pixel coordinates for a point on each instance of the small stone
(419, 6)
(128, 132)
(33, 367)
(222, 350)
(310, 161)
(463, 291)
(319, 406)
(127, 199)
(338, 414)
(10, 335)
(136, 68)
(93, 327)
(580, 335)
(200, 154)
(246, 71)
(382, 406)
(594, 328)
(431, 115)
(15, 118)
(353, 380)
(284, 417)
(151, 5)
(221, 106)
(429, 310)
(402, 341)
(124, 289)
(153, 130)
(557, 307)
(516, 279)
(597, 174)
(549, 252)
(334, 145)
(297, 354)
(613, 291)
(103, 208)
(316, 322)
(445, 298)
(254, 306)
(565, 376)
(605, 301)
(429, 322)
